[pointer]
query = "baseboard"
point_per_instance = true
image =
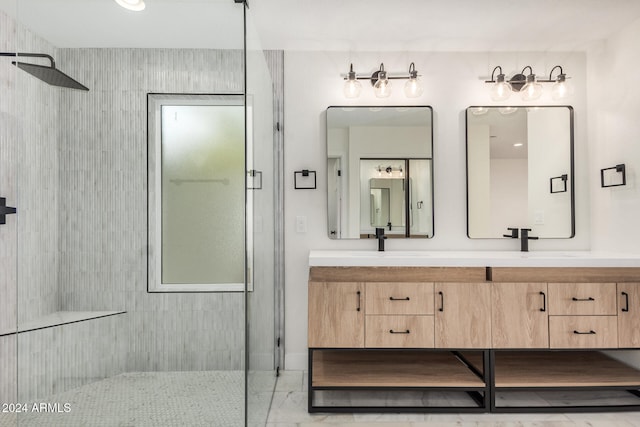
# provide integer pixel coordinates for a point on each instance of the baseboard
(296, 361)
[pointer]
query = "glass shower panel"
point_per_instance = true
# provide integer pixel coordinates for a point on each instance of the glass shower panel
(264, 156)
(93, 345)
(8, 222)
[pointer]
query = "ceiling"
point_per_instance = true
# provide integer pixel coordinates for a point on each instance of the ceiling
(351, 25)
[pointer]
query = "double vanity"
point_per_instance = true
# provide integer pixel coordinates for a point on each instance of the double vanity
(485, 326)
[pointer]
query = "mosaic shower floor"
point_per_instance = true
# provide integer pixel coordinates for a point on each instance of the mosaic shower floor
(208, 398)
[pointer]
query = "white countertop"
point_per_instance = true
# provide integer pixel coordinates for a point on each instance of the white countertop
(354, 258)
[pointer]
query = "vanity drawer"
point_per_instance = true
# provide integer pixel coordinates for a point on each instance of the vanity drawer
(399, 332)
(399, 298)
(583, 331)
(582, 299)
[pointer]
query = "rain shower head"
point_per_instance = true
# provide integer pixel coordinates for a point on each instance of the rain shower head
(48, 74)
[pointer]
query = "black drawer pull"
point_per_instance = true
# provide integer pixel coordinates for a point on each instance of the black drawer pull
(441, 301)
(585, 333)
(626, 302)
(399, 299)
(391, 331)
(544, 301)
(583, 299)
(358, 307)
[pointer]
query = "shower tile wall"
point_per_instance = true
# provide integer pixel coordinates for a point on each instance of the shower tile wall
(104, 205)
(37, 186)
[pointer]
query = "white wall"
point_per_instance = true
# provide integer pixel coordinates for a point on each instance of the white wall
(453, 82)
(614, 138)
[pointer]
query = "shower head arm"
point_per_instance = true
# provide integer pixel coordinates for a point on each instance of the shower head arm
(31, 55)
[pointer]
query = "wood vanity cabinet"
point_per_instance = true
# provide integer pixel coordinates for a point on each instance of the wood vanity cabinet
(336, 314)
(628, 315)
(470, 326)
(463, 315)
(520, 315)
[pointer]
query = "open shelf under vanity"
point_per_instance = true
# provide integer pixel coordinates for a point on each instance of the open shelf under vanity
(419, 380)
(454, 382)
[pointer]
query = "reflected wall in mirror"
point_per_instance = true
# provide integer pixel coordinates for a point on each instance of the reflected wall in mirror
(380, 171)
(520, 171)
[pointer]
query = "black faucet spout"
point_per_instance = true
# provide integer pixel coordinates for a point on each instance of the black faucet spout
(381, 237)
(524, 239)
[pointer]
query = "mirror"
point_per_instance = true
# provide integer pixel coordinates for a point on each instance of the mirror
(379, 171)
(520, 171)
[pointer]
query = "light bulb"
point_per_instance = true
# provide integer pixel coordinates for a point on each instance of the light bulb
(413, 87)
(135, 5)
(532, 89)
(500, 91)
(561, 88)
(352, 86)
(382, 88)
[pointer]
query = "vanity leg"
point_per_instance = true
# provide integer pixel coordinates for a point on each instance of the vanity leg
(309, 383)
(490, 379)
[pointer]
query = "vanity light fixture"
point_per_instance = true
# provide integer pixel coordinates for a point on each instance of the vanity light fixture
(561, 88)
(381, 82)
(528, 85)
(413, 87)
(501, 91)
(531, 90)
(135, 5)
(352, 86)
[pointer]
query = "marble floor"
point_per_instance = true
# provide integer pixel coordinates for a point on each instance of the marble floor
(289, 409)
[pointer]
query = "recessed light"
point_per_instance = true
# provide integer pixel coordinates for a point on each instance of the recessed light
(135, 5)
(518, 144)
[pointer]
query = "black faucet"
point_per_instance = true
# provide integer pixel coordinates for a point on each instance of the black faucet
(380, 236)
(524, 239)
(514, 233)
(389, 225)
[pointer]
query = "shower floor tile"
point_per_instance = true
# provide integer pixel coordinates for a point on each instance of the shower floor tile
(207, 398)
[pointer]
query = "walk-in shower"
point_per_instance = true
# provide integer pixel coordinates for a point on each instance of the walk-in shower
(81, 332)
(47, 73)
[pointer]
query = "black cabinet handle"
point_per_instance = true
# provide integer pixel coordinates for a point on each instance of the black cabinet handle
(544, 301)
(585, 333)
(391, 331)
(358, 307)
(441, 301)
(626, 302)
(583, 299)
(399, 299)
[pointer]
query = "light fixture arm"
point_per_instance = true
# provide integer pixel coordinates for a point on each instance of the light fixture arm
(412, 71)
(493, 73)
(561, 77)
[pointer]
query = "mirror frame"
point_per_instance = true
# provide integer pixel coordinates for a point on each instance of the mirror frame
(407, 234)
(571, 154)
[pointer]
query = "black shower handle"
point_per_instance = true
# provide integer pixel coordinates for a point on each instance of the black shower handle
(5, 210)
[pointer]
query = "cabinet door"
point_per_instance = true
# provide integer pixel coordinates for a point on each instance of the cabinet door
(462, 315)
(336, 314)
(519, 316)
(629, 315)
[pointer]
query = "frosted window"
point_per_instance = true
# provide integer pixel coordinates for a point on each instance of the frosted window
(202, 194)
(196, 183)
